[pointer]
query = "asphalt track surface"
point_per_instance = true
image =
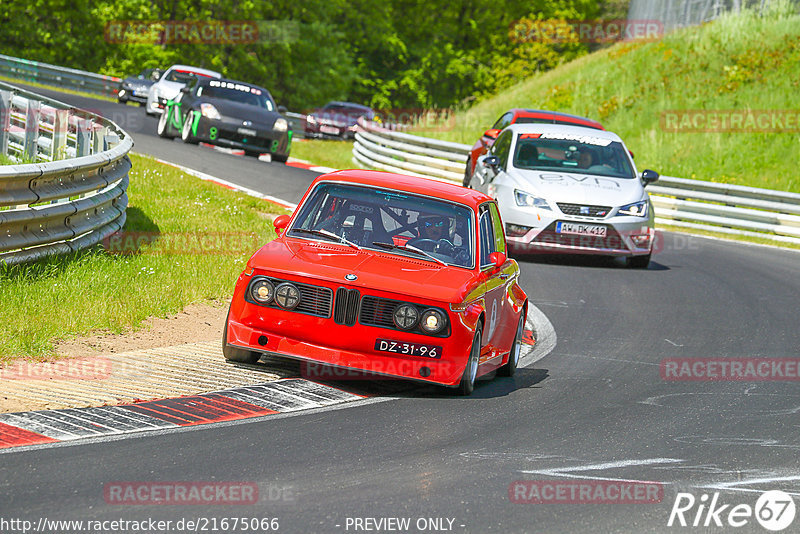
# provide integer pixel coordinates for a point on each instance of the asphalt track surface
(596, 407)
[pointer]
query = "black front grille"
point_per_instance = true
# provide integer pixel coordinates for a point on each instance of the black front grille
(377, 312)
(582, 210)
(345, 310)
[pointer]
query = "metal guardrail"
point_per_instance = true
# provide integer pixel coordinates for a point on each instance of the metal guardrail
(34, 71)
(696, 204)
(73, 194)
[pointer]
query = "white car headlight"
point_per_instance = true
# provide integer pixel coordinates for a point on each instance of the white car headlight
(637, 209)
(526, 199)
(210, 112)
(280, 125)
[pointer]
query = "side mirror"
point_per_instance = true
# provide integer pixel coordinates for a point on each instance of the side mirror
(498, 259)
(493, 162)
(282, 109)
(648, 176)
(280, 223)
(631, 153)
(492, 133)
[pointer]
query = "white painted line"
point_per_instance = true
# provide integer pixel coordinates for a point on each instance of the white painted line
(209, 178)
(543, 333)
(567, 472)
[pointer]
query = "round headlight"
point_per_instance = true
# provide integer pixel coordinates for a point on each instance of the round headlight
(287, 296)
(405, 316)
(432, 321)
(262, 291)
(280, 125)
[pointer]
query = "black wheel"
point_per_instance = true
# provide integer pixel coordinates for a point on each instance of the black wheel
(141, 104)
(516, 348)
(163, 126)
(252, 153)
(186, 131)
(280, 159)
(467, 174)
(638, 262)
(467, 384)
(233, 354)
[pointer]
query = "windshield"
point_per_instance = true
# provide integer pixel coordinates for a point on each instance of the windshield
(365, 216)
(237, 92)
(572, 153)
(183, 76)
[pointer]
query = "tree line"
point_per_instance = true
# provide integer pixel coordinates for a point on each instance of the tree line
(394, 54)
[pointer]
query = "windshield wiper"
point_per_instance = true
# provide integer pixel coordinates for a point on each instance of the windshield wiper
(330, 235)
(409, 248)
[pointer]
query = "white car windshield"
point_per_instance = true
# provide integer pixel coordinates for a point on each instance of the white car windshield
(394, 222)
(583, 154)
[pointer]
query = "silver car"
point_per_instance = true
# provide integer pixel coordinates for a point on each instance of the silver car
(170, 84)
(569, 189)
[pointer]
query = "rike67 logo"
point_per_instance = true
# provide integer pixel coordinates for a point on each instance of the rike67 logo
(774, 510)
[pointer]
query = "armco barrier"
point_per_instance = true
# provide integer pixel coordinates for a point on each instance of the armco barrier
(693, 204)
(35, 71)
(73, 194)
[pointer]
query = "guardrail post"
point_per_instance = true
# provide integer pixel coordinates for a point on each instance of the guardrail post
(99, 139)
(83, 134)
(58, 150)
(5, 120)
(31, 148)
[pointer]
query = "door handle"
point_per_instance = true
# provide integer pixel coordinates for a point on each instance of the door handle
(504, 276)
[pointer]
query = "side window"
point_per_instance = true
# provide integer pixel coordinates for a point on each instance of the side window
(503, 121)
(497, 226)
(487, 241)
(502, 147)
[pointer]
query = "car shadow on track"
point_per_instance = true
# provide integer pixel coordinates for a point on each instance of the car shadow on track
(581, 260)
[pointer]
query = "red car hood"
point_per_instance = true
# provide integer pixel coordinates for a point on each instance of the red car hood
(375, 270)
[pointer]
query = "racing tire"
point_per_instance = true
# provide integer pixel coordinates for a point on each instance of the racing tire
(467, 174)
(516, 348)
(280, 159)
(163, 127)
(253, 153)
(186, 131)
(234, 354)
(638, 262)
(467, 384)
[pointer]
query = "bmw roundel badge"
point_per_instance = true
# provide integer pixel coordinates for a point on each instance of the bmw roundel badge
(350, 277)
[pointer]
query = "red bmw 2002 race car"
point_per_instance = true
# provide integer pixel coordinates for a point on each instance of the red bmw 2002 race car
(388, 274)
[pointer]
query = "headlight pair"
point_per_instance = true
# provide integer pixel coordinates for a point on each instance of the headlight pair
(431, 321)
(286, 295)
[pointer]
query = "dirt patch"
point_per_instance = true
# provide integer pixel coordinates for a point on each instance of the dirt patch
(197, 322)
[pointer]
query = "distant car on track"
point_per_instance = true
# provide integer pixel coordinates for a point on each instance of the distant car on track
(337, 120)
(170, 83)
(521, 116)
(569, 189)
(388, 274)
(135, 88)
(228, 113)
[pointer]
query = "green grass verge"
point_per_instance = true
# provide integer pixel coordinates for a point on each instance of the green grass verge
(336, 154)
(30, 83)
(95, 290)
(739, 62)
